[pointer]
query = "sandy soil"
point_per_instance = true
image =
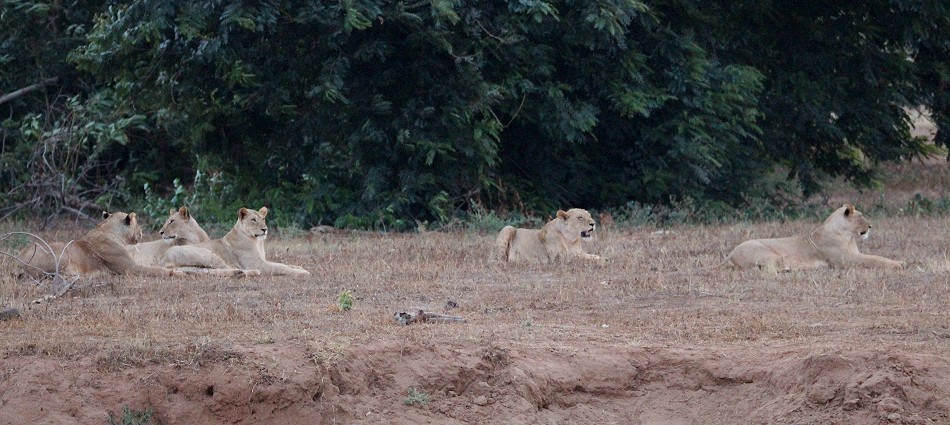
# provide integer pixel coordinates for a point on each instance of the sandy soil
(487, 383)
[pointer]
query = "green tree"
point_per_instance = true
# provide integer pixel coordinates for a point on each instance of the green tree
(377, 113)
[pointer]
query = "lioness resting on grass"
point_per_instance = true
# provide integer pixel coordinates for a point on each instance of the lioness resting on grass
(180, 229)
(183, 231)
(560, 238)
(103, 250)
(831, 244)
(241, 248)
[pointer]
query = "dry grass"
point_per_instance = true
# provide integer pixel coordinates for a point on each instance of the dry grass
(656, 290)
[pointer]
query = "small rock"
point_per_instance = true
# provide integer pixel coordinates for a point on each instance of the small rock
(480, 388)
(481, 400)
(851, 404)
(889, 405)
(451, 304)
(894, 417)
(9, 313)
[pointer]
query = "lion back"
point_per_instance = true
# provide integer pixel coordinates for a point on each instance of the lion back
(503, 243)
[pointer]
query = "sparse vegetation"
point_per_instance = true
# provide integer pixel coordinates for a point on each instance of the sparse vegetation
(345, 300)
(418, 397)
(133, 417)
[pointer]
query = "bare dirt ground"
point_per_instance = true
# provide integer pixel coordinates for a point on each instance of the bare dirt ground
(654, 336)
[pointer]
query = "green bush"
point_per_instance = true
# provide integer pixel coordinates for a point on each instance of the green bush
(388, 115)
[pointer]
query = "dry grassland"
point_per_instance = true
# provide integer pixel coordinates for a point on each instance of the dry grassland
(659, 290)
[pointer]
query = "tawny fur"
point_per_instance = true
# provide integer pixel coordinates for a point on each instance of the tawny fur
(103, 250)
(560, 238)
(180, 228)
(242, 248)
(834, 243)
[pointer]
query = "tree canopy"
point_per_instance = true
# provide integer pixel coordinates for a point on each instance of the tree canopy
(373, 113)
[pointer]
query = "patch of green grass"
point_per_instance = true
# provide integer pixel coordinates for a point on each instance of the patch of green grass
(345, 300)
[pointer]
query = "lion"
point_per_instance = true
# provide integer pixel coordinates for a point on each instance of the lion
(560, 238)
(241, 248)
(103, 250)
(831, 244)
(180, 229)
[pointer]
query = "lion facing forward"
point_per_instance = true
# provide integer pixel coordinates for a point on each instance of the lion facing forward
(241, 248)
(834, 243)
(560, 238)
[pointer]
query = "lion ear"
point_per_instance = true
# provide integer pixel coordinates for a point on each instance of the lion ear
(129, 219)
(183, 212)
(242, 213)
(562, 215)
(263, 212)
(105, 215)
(849, 209)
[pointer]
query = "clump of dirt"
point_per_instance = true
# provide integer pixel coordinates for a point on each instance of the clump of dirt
(485, 383)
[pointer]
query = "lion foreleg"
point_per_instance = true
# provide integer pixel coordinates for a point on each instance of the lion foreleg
(877, 261)
(269, 267)
(218, 272)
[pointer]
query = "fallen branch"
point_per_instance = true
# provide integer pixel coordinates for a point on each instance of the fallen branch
(26, 90)
(61, 284)
(420, 316)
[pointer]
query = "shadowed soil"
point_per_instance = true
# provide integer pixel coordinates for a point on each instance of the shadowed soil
(483, 383)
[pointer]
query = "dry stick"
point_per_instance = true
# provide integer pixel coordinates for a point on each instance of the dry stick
(15, 94)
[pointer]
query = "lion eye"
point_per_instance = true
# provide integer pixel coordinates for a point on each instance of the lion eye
(171, 221)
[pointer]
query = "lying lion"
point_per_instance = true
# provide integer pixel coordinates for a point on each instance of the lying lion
(180, 229)
(103, 250)
(241, 248)
(831, 244)
(561, 238)
(183, 231)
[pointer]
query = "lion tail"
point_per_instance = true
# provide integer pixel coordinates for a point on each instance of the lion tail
(503, 243)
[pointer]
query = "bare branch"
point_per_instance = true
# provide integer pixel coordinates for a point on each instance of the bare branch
(60, 283)
(26, 90)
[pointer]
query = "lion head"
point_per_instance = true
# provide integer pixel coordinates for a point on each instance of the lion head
(181, 227)
(121, 225)
(576, 224)
(252, 223)
(848, 220)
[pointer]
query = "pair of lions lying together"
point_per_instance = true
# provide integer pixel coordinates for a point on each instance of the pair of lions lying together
(831, 244)
(112, 248)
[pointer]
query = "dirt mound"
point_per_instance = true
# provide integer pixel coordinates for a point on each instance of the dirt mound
(483, 383)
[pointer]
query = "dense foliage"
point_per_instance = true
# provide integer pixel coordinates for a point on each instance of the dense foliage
(375, 113)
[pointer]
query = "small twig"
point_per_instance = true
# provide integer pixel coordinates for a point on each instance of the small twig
(56, 275)
(683, 400)
(489, 32)
(523, 97)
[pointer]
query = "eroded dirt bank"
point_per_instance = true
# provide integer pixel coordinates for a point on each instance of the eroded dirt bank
(484, 383)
